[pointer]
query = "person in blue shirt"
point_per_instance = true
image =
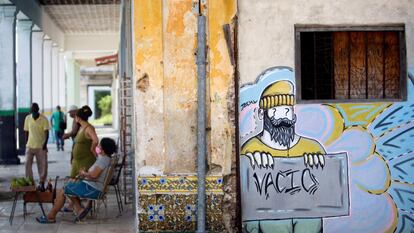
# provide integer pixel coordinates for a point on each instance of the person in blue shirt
(58, 123)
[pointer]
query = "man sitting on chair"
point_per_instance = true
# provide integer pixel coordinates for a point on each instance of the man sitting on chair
(89, 186)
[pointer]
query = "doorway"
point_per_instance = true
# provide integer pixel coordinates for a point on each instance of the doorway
(100, 100)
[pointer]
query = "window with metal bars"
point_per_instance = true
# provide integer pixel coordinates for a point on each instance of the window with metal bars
(350, 63)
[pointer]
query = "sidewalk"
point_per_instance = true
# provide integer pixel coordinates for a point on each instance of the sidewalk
(108, 219)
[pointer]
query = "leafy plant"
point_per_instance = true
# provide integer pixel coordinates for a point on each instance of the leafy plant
(105, 104)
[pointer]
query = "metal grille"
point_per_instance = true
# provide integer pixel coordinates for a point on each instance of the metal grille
(126, 137)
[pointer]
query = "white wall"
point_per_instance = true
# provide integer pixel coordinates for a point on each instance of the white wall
(266, 27)
(102, 42)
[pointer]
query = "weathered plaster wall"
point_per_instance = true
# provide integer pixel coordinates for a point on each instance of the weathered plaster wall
(149, 78)
(180, 85)
(266, 27)
(166, 83)
(222, 111)
(221, 83)
(165, 101)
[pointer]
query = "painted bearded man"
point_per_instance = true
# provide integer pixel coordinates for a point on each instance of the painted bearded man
(278, 139)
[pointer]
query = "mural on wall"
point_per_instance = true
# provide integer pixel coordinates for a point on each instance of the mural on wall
(374, 139)
(308, 184)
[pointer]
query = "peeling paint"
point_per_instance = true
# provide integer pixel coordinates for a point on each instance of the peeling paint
(165, 48)
(222, 108)
(166, 80)
(180, 86)
(143, 83)
(149, 104)
(175, 23)
(221, 77)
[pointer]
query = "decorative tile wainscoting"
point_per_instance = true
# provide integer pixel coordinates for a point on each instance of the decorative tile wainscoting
(169, 204)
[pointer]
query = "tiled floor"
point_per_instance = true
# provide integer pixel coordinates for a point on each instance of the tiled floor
(108, 219)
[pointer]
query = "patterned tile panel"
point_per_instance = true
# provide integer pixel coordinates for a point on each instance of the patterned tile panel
(178, 184)
(169, 204)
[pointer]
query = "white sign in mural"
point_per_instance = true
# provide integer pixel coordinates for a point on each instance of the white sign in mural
(290, 189)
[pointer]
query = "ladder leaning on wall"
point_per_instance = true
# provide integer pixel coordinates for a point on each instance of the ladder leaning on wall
(126, 137)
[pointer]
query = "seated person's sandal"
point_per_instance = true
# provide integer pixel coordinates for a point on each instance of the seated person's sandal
(83, 214)
(44, 220)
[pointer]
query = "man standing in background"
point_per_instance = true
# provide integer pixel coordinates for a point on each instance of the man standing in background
(36, 127)
(75, 127)
(58, 121)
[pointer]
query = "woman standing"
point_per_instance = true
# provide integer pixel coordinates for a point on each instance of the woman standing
(86, 140)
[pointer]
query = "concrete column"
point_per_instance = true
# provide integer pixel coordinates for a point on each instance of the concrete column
(47, 77)
(37, 68)
(62, 81)
(23, 75)
(72, 81)
(72, 72)
(55, 76)
(8, 152)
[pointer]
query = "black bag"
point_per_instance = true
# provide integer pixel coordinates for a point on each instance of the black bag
(62, 123)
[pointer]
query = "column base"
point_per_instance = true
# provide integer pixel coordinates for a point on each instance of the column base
(21, 151)
(10, 161)
(8, 152)
(21, 116)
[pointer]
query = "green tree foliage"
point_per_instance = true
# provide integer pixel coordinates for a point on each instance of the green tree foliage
(105, 104)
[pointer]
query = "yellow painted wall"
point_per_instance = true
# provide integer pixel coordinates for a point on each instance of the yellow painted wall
(149, 82)
(220, 12)
(180, 85)
(165, 40)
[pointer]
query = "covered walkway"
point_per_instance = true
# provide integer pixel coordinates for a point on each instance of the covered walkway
(62, 52)
(53, 53)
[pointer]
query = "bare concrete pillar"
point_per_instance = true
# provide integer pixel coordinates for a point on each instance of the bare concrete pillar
(47, 77)
(23, 75)
(8, 152)
(55, 76)
(37, 68)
